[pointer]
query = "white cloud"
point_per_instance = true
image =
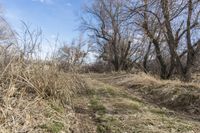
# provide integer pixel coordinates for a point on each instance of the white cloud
(44, 1)
(68, 4)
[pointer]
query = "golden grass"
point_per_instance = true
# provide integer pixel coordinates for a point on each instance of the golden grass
(39, 99)
(150, 80)
(172, 94)
(36, 99)
(115, 110)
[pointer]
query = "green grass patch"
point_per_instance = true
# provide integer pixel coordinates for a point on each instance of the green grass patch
(106, 91)
(54, 127)
(127, 106)
(97, 107)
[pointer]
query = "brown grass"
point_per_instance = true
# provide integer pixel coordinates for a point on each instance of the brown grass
(115, 109)
(172, 94)
(37, 99)
(150, 80)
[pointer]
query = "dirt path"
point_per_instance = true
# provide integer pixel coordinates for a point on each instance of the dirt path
(109, 109)
(182, 98)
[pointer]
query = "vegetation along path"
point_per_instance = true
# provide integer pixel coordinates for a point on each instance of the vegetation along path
(106, 108)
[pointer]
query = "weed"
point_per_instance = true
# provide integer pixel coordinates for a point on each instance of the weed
(54, 127)
(157, 111)
(57, 107)
(97, 107)
(103, 128)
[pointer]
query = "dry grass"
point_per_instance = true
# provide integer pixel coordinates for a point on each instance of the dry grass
(37, 116)
(115, 110)
(149, 80)
(141, 79)
(172, 94)
(37, 99)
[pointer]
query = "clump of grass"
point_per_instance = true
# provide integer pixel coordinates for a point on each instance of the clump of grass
(33, 94)
(54, 127)
(103, 128)
(97, 107)
(157, 111)
(48, 83)
(56, 106)
(126, 106)
(99, 116)
(106, 91)
(143, 79)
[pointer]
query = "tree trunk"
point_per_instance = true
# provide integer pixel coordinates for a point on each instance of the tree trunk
(163, 67)
(146, 58)
(171, 39)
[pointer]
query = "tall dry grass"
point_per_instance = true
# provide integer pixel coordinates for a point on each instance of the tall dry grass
(36, 96)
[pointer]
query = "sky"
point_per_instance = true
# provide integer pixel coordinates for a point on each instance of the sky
(54, 17)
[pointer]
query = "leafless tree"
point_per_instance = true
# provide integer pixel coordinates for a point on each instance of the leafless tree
(73, 55)
(109, 25)
(169, 25)
(30, 41)
(8, 41)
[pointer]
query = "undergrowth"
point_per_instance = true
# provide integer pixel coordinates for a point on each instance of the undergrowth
(36, 98)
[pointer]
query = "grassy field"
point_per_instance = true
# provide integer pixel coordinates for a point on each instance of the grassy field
(122, 103)
(103, 103)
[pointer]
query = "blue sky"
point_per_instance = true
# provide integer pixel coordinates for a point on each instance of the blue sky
(52, 16)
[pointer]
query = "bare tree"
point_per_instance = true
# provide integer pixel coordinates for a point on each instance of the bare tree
(163, 22)
(30, 41)
(73, 55)
(8, 41)
(112, 32)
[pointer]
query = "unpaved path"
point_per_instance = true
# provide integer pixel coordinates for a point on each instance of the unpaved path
(110, 108)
